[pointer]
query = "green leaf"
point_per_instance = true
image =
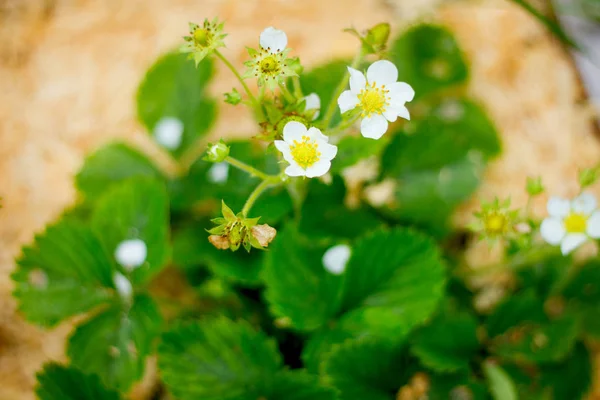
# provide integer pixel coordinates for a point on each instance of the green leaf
(298, 286)
(56, 382)
(297, 385)
(584, 286)
(438, 164)
(537, 343)
(325, 217)
(192, 248)
(175, 88)
(64, 272)
(136, 209)
(429, 59)
(571, 379)
(352, 149)
(501, 385)
(112, 164)
(323, 81)
(448, 343)
(392, 283)
(114, 344)
(515, 310)
(368, 369)
(217, 359)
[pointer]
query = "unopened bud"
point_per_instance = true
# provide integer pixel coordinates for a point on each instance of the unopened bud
(534, 186)
(378, 36)
(264, 234)
(234, 97)
(217, 152)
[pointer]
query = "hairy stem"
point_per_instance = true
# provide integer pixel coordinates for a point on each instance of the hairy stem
(270, 181)
(247, 168)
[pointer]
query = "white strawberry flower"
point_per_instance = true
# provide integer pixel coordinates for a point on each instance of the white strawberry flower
(313, 102)
(306, 150)
(270, 64)
(571, 223)
(378, 95)
(336, 258)
(131, 253)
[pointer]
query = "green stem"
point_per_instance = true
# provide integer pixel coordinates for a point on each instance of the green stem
(297, 87)
(271, 180)
(334, 132)
(339, 89)
(286, 93)
(247, 168)
(239, 77)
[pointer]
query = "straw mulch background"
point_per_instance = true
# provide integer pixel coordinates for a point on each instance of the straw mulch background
(69, 71)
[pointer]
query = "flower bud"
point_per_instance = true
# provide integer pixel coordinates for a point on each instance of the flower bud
(217, 152)
(378, 36)
(534, 186)
(234, 98)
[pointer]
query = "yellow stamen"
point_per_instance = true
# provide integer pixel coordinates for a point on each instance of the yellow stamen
(576, 223)
(373, 100)
(306, 152)
(269, 65)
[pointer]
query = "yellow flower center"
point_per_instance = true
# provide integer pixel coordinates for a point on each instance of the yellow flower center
(373, 100)
(496, 224)
(576, 223)
(202, 37)
(269, 65)
(305, 153)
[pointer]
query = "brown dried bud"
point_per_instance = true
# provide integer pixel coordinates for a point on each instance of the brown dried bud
(264, 234)
(220, 242)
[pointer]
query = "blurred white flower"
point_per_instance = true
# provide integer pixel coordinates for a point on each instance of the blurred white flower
(123, 286)
(131, 253)
(313, 102)
(571, 223)
(307, 150)
(218, 173)
(336, 258)
(379, 97)
(168, 132)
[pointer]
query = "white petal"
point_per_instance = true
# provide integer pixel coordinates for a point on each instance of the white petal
(373, 127)
(218, 173)
(273, 39)
(558, 207)
(336, 258)
(131, 253)
(328, 151)
(593, 225)
(357, 80)
(293, 130)
(313, 102)
(168, 132)
(123, 285)
(403, 112)
(390, 114)
(347, 101)
(584, 203)
(571, 242)
(282, 146)
(316, 135)
(401, 92)
(295, 170)
(382, 72)
(553, 230)
(319, 168)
